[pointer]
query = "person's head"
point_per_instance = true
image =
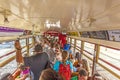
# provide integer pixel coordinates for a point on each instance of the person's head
(6, 76)
(78, 56)
(85, 64)
(83, 74)
(52, 45)
(57, 46)
(22, 67)
(38, 48)
(50, 74)
(65, 56)
(97, 76)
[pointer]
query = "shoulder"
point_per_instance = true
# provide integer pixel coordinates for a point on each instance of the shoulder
(57, 62)
(68, 62)
(45, 55)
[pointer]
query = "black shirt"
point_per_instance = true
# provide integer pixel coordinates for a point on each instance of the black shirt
(37, 63)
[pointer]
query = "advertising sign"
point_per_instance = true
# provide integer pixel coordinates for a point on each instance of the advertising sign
(114, 35)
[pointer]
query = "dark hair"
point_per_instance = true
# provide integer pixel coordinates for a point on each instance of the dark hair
(38, 48)
(23, 67)
(50, 74)
(97, 76)
(78, 56)
(5, 76)
(52, 45)
(83, 72)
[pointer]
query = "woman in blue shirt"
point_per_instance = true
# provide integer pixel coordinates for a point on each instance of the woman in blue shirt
(64, 61)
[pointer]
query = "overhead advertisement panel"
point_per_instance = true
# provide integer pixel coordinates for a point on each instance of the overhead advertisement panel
(99, 35)
(114, 35)
(73, 34)
(85, 34)
(111, 35)
(95, 34)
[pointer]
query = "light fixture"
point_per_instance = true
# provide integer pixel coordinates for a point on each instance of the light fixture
(5, 13)
(6, 20)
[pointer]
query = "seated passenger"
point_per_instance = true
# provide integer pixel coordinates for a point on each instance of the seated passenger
(83, 74)
(25, 73)
(38, 62)
(78, 56)
(85, 65)
(77, 59)
(50, 74)
(64, 64)
(97, 76)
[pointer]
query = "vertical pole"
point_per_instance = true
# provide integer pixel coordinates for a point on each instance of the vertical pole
(67, 39)
(97, 52)
(95, 57)
(74, 45)
(33, 40)
(27, 45)
(82, 48)
(70, 41)
(19, 58)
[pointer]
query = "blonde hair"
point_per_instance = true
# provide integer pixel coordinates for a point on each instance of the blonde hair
(64, 56)
(85, 65)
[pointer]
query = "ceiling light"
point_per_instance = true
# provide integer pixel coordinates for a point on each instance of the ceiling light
(6, 20)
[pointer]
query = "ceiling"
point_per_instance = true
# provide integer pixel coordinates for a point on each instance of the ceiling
(74, 15)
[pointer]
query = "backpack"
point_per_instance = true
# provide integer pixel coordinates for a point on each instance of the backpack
(66, 47)
(64, 70)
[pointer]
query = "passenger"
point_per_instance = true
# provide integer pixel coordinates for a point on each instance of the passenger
(58, 53)
(6, 76)
(71, 55)
(57, 47)
(77, 56)
(77, 59)
(67, 47)
(25, 73)
(97, 76)
(52, 54)
(64, 64)
(50, 74)
(62, 40)
(64, 61)
(83, 74)
(56, 41)
(85, 65)
(38, 62)
(45, 46)
(58, 56)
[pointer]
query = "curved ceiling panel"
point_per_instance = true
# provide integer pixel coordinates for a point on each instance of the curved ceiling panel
(79, 15)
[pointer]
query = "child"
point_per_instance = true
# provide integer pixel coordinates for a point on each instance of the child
(64, 67)
(25, 73)
(83, 74)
